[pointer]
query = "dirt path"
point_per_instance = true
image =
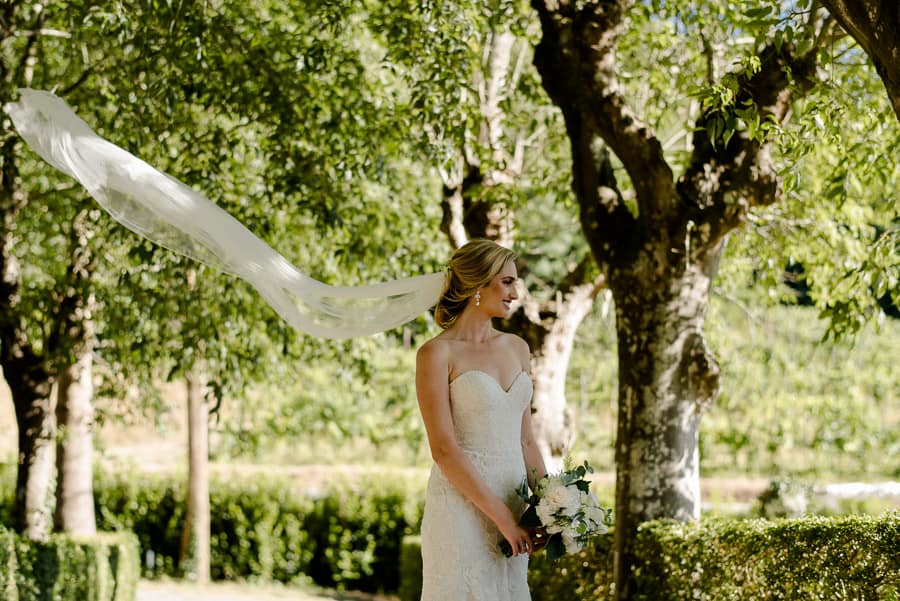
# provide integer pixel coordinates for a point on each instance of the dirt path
(151, 590)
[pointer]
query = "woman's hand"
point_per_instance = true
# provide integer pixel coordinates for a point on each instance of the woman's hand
(519, 538)
(539, 538)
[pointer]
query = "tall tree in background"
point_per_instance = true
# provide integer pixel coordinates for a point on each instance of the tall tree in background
(275, 155)
(43, 334)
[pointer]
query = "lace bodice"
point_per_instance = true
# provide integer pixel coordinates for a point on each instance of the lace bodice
(486, 418)
(461, 558)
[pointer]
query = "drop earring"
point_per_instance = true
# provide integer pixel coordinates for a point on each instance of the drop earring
(478, 298)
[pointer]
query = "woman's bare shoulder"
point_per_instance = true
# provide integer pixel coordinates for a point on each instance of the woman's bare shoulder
(518, 345)
(434, 350)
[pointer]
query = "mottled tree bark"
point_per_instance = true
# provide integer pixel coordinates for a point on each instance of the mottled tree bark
(75, 449)
(37, 431)
(667, 378)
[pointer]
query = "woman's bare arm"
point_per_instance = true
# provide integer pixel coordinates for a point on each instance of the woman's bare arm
(534, 461)
(531, 453)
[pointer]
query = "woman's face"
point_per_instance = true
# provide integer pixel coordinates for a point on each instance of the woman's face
(498, 296)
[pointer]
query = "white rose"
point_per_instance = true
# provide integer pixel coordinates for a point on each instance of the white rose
(596, 516)
(545, 513)
(570, 543)
(554, 528)
(562, 498)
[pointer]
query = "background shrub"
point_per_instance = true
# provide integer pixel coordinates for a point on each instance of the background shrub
(348, 536)
(8, 565)
(817, 558)
(98, 568)
(855, 557)
(410, 587)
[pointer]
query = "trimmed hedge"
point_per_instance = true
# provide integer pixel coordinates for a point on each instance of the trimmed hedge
(851, 558)
(813, 558)
(585, 575)
(99, 568)
(263, 529)
(8, 565)
(410, 569)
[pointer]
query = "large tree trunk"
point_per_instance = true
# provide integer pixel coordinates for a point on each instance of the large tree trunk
(195, 539)
(37, 429)
(667, 377)
(74, 449)
(25, 370)
(660, 256)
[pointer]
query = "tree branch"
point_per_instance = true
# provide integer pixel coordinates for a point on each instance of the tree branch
(727, 176)
(576, 59)
(875, 25)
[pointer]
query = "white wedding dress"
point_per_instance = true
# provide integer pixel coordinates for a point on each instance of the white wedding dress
(460, 554)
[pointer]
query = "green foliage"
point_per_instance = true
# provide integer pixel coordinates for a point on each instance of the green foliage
(347, 536)
(836, 153)
(815, 558)
(789, 404)
(7, 492)
(99, 568)
(291, 136)
(792, 406)
(333, 404)
(8, 565)
(725, 560)
(838, 160)
(410, 568)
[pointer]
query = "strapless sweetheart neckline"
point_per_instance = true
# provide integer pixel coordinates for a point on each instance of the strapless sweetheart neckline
(492, 378)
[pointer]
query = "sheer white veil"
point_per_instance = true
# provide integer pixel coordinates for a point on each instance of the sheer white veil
(168, 212)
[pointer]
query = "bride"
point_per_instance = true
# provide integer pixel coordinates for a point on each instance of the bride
(471, 380)
(474, 394)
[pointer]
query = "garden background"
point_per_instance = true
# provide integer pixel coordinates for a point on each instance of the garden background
(704, 200)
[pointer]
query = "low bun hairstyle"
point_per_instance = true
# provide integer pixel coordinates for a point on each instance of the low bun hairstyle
(471, 267)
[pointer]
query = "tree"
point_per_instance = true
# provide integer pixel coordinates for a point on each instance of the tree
(277, 156)
(875, 25)
(659, 240)
(499, 150)
(32, 354)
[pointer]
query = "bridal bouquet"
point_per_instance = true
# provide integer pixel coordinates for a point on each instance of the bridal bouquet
(563, 511)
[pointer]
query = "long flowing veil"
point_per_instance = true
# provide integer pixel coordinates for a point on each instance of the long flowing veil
(168, 212)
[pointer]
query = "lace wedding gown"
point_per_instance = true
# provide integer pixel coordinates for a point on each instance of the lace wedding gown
(460, 555)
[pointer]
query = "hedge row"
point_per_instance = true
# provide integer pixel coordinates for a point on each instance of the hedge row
(104, 567)
(814, 558)
(853, 558)
(347, 537)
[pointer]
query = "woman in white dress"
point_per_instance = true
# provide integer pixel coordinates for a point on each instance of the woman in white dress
(474, 394)
(472, 380)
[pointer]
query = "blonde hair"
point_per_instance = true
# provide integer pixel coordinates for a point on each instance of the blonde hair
(472, 266)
